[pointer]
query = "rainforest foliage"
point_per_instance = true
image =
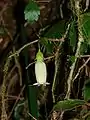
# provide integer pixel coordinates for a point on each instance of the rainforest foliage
(45, 60)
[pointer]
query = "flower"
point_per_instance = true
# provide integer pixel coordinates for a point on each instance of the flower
(40, 72)
(40, 69)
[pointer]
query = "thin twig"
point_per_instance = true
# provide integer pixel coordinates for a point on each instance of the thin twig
(4, 8)
(81, 69)
(83, 56)
(13, 97)
(87, 5)
(57, 62)
(15, 56)
(29, 65)
(80, 40)
(47, 58)
(18, 66)
(26, 45)
(32, 116)
(45, 1)
(50, 57)
(10, 73)
(61, 116)
(18, 97)
(56, 40)
(86, 115)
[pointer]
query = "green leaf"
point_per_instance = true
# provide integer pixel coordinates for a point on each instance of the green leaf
(72, 59)
(88, 117)
(47, 44)
(18, 109)
(2, 31)
(84, 48)
(56, 31)
(32, 12)
(72, 35)
(86, 26)
(86, 90)
(68, 104)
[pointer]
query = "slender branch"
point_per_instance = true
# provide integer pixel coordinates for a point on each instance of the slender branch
(15, 56)
(29, 65)
(45, 1)
(57, 62)
(47, 58)
(61, 116)
(80, 40)
(87, 5)
(86, 115)
(32, 116)
(83, 56)
(18, 66)
(18, 97)
(3, 90)
(22, 48)
(3, 10)
(81, 69)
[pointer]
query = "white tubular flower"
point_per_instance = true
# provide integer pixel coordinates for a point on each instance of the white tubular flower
(40, 69)
(40, 72)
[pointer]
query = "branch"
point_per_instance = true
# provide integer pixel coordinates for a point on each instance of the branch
(47, 58)
(15, 56)
(80, 40)
(32, 116)
(81, 69)
(22, 48)
(4, 8)
(57, 62)
(18, 97)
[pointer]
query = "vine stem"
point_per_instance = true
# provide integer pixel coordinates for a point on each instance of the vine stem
(57, 55)
(80, 40)
(4, 103)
